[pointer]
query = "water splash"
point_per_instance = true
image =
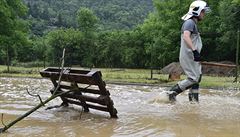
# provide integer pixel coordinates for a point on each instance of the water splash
(161, 97)
(142, 112)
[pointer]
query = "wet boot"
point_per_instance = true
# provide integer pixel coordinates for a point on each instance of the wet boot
(174, 91)
(193, 97)
(194, 93)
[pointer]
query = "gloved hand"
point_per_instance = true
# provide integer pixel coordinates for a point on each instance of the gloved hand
(196, 55)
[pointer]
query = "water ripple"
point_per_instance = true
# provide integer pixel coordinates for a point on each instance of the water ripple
(217, 113)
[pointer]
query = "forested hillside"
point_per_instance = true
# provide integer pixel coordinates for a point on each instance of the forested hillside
(113, 14)
(111, 33)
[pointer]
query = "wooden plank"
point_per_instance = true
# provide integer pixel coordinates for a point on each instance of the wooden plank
(73, 75)
(98, 107)
(101, 101)
(74, 96)
(75, 86)
(91, 91)
(52, 70)
(102, 108)
(78, 71)
(84, 79)
(218, 64)
(101, 84)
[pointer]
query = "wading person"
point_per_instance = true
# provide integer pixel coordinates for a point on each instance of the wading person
(189, 57)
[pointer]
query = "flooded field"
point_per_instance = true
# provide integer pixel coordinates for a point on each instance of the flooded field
(217, 114)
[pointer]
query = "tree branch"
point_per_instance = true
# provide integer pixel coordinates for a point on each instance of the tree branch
(54, 95)
(37, 95)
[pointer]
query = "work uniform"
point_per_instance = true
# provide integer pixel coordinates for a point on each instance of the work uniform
(190, 67)
(188, 57)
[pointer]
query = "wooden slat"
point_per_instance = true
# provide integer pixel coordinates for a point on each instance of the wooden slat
(98, 107)
(75, 86)
(84, 79)
(73, 75)
(91, 91)
(102, 108)
(101, 101)
(218, 64)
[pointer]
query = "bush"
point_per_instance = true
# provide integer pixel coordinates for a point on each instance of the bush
(30, 64)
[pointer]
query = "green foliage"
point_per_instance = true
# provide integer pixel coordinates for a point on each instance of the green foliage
(109, 49)
(9, 11)
(163, 31)
(13, 31)
(86, 20)
(111, 33)
(112, 14)
(29, 64)
(121, 49)
(218, 30)
(70, 39)
(229, 13)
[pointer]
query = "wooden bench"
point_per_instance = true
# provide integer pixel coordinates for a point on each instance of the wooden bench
(87, 89)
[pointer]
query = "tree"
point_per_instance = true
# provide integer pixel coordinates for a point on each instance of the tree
(12, 29)
(110, 49)
(86, 20)
(163, 31)
(87, 23)
(229, 14)
(72, 41)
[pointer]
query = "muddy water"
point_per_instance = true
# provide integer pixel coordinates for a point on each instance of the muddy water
(217, 114)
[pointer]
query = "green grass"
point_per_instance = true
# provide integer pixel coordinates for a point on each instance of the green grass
(132, 76)
(20, 72)
(129, 76)
(219, 82)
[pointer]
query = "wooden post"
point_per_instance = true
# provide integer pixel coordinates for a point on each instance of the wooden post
(44, 61)
(237, 57)
(151, 73)
(151, 61)
(44, 54)
(8, 60)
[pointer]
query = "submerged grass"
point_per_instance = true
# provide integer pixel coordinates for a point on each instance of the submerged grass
(129, 76)
(20, 72)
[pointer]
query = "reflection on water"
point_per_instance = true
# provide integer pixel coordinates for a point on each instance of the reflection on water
(217, 114)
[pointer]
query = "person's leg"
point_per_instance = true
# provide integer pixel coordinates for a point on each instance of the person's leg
(180, 87)
(174, 91)
(194, 93)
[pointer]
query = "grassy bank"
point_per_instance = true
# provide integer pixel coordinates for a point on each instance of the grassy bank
(129, 76)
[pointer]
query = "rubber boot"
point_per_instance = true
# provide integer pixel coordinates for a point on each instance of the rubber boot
(193, 97)
(175, 91)
(194, 93)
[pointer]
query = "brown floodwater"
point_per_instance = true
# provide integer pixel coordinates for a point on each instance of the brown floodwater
(217, 114)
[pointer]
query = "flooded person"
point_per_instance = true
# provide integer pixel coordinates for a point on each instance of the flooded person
(189, 57)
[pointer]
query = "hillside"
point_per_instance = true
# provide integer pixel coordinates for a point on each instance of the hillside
(113, 14)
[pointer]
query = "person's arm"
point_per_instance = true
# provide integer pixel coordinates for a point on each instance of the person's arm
(187, 39)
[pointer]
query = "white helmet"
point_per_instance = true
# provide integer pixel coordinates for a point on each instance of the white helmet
(195, 9)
